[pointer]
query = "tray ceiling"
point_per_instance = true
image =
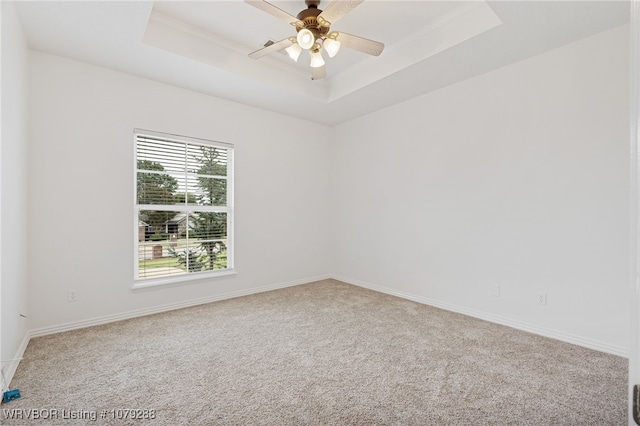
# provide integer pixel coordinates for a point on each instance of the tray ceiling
(203, 46)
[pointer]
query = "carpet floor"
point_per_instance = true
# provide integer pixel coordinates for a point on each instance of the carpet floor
(324, 353)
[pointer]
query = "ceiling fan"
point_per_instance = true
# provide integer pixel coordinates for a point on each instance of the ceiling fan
(313, 26)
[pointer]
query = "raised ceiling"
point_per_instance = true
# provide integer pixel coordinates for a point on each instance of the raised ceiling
(203, 46)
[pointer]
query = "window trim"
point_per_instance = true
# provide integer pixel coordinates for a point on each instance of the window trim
(146, 283)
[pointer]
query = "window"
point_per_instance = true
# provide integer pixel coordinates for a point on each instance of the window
(183, 208)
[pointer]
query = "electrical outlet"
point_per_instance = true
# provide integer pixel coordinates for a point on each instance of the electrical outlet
(542, 298)
(73, 296)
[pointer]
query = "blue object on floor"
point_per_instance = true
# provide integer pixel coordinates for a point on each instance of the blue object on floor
(11, 395)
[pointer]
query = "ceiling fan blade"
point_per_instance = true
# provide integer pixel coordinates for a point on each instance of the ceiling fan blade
(272, 10)
(274, 47)
(360, 44)
(338, 8)
(318, 73)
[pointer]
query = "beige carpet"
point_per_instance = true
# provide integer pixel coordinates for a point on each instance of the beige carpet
(324, 353)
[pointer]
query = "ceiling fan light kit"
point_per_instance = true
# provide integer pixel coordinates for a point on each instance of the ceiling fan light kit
(331, 45)
(305, 39)
(313, 25)
(294, 50)
(316, 57)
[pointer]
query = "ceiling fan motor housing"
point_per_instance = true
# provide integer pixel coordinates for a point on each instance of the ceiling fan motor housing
(309, 18)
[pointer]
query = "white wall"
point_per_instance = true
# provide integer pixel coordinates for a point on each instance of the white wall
(517, 178)
(13, 189)
(81, 190)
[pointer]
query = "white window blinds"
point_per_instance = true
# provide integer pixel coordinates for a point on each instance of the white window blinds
(183, 206)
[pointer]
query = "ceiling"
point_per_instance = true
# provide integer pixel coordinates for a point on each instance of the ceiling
(203, 46)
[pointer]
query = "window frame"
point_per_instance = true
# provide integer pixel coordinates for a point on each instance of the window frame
(141, 283)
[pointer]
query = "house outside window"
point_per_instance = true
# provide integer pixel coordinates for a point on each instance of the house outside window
(183, 208)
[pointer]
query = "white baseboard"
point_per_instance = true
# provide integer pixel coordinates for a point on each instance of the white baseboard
(13, 366)
(577, 340)
(168, 307)
(554, 334)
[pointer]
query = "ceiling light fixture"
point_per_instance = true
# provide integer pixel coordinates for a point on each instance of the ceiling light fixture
(294, 50)
(316, 56)
(305, 39)
(331, 45)
(313, 26)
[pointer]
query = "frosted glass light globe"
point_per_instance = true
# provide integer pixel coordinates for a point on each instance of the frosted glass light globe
(294, 51)
(331, 46)
(316, 59)
(305, 38)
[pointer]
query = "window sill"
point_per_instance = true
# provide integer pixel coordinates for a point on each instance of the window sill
(180, 279)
